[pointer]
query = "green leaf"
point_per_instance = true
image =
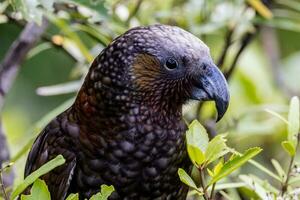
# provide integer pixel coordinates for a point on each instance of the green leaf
(58, 89)
(234, 163)
(59, 160)
(218, 167)
(216, 148)
(95, 33)
(288, 147)
(293, 118)
(197, 136)
(105, 192)
(225, 195)
(32, 10)
(39, 190)
(196, 155)
(275, 114)
(293, 4)
(69, 32)
(96, 5)
(280, 23)
(264, 169)
(257, 188)
(211, 173)
(261, 187)
(224, 186)
(38, 49)
(279, 169)
(186, 179)
(73, 196)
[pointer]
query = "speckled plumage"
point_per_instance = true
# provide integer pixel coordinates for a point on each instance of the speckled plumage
(125, 127)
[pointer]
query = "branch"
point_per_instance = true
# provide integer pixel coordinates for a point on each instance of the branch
(9, 69)
(15, 55)
(245, 42)
(228, 42)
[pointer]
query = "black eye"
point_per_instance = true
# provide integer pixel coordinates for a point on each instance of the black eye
(171, 63)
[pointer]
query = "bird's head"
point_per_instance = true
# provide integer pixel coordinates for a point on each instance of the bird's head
(163, 65)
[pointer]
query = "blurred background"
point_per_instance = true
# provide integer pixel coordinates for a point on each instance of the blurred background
(255, 43)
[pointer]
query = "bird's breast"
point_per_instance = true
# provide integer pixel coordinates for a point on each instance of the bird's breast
(141, 160)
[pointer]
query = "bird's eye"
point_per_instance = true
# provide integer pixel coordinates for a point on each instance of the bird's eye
(171, 63)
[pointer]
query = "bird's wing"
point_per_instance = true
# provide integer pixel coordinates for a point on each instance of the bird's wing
(50, 143)
(32, 156)
(59, 180)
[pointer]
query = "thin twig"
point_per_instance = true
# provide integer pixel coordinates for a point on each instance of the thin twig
(245, 41)
(212, 191)
(286, 183)
(228, 42)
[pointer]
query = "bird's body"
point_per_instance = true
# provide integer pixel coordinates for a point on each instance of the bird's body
(125, 127)
(143, 157)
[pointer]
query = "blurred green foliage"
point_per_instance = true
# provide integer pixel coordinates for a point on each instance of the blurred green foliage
(210, 155)
(264, 80)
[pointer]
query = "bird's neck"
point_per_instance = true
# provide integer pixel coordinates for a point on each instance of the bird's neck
(103, 100)
(107, 107)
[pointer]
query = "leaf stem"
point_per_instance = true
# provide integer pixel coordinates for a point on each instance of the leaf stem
(286, 183)
(212, 191)
(205, 196)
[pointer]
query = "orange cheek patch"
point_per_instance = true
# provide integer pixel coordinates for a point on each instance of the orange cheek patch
(146, 69)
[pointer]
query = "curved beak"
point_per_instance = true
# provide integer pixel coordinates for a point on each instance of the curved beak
(212, 86)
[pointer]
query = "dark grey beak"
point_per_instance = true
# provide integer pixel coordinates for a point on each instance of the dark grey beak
(212, 86)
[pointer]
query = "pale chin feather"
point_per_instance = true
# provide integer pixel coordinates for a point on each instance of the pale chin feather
(189, 109)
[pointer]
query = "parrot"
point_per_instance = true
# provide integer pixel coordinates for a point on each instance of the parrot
(125, 127)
